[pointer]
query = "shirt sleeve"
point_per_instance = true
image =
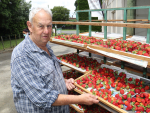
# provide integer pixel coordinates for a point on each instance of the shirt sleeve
(25, 71)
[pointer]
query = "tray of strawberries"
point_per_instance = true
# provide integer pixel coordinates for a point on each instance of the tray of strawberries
(95, 108)
(117, 89)
(73, 41)
(79, 62)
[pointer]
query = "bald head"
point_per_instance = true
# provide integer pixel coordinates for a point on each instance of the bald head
(34, 11)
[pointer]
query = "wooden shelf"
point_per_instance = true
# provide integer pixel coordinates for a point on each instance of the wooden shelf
(131, 25)
(121, 53)
(139, 57)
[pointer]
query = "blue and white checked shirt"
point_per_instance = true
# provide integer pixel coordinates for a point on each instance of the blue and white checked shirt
(36, 79)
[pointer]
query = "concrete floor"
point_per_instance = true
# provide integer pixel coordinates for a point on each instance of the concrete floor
(6, 95)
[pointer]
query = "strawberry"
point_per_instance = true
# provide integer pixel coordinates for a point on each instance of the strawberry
(117, 88)
(122, 91)
(130, 79)
(133, 99)
(113, 85)
(140, 108)
(107, 87)
(129, 107)
(146, 87)
(143, 101)
(140, 52)
(142, 95)
(137, 91)
(78, 81)
(146, 54)
(147, 110)
(142, 90)
(129, 100)
(124, 97)
(117, 96)
(120, 106)
(132, 93)
(126, 103)
(138, 99)
(146, 95)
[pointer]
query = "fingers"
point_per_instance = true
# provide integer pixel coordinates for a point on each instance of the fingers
(90, 99)
(70, 86)
(71, 80)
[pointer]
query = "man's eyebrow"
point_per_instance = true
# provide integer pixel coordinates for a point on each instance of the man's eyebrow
(42, 24)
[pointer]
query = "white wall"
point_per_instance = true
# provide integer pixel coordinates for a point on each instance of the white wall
(114, 15)
(141, 14)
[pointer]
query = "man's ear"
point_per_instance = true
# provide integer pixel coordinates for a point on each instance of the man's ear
(29, 26)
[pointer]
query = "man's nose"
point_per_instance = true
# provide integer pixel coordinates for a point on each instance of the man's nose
(45, 30)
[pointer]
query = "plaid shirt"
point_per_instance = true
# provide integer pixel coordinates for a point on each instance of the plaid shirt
(36, 79)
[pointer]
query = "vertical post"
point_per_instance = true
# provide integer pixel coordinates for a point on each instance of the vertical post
(15, 40)
(55, 29)
(105, 27)
(2, 43)
(105, 30)
(10, 41)
(122, 65)
(144, 72)
(90, 29)
(77, 27)
(148, 30)
(124, 32)
(105, 59)
(125, 20)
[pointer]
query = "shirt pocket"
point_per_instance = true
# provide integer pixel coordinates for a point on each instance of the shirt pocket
(48, 76)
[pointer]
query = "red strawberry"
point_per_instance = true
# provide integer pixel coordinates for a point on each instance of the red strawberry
(137, 91)
(117, 96)
(78, 81)
(129, 100)
(122, 91)
(140, 52)
(133, 99)
(146, 95)
(146, 54)
(143, 101)
(124, 97)
(129, 107)
(120, 106)
(107, 87)
(113, 84)
(146, 87)
(140, 108)
(142, 90)
(126, 103)
(117, 88)
(147, 110)
(130, 79)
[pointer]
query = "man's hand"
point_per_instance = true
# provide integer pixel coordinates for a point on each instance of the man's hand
(70, 83)
(88, 99)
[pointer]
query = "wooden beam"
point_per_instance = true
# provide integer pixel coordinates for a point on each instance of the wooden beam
(131, 25)
(129, 20)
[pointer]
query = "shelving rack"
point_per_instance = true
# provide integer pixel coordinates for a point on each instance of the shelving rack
(145, 24)
(105, 24)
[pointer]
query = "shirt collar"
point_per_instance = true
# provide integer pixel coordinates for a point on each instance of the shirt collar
(31, 46)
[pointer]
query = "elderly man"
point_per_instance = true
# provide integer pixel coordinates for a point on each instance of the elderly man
(36, 77)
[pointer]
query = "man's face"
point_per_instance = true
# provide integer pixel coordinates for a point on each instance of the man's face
(41, 28)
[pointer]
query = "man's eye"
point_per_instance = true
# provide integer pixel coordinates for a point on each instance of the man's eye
(41, 26)
(49, 26)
